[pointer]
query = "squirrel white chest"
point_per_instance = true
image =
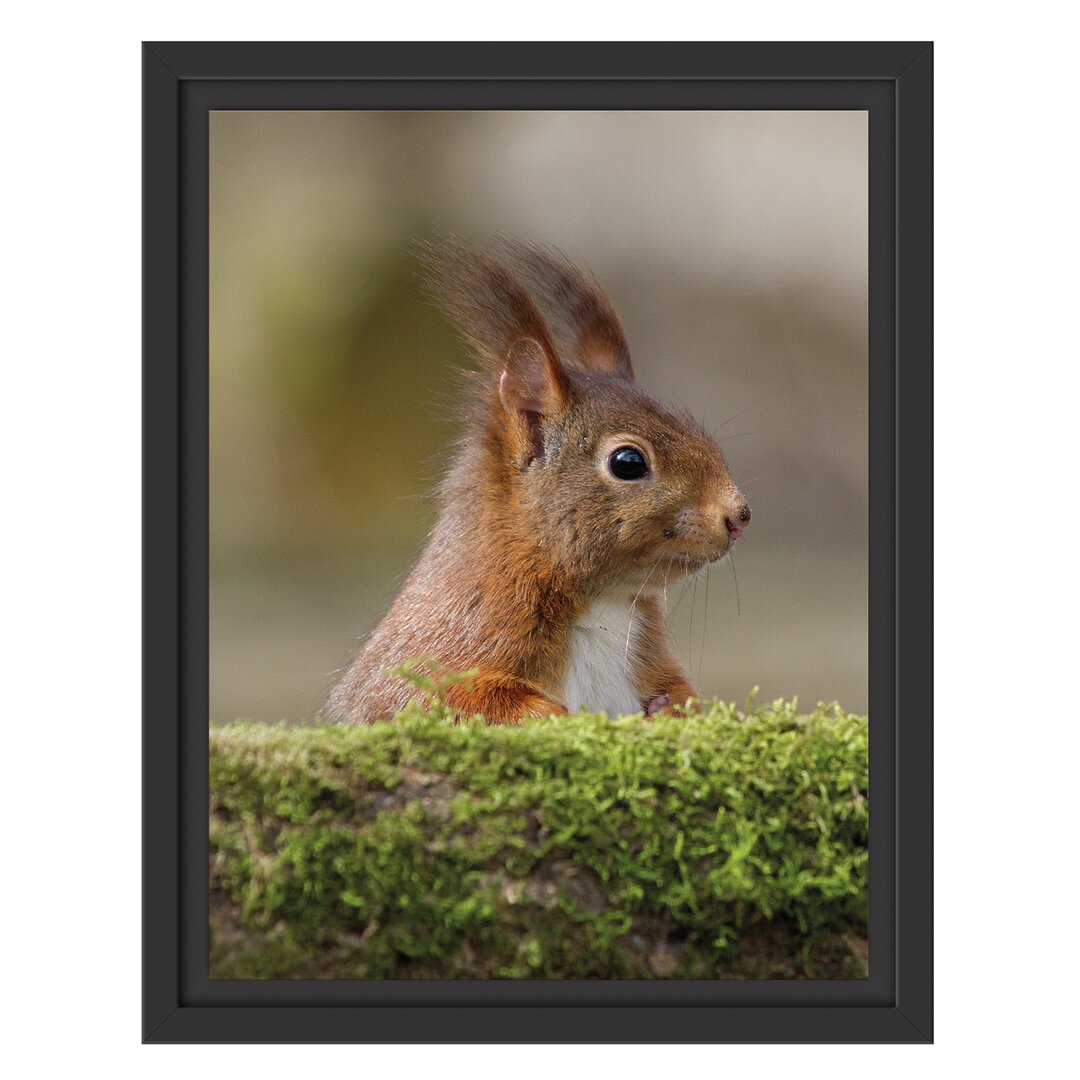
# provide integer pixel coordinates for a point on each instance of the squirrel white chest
(599, 671)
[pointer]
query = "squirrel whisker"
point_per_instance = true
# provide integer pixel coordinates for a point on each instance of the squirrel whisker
(735, 578)
(704, 626)
(633, 606)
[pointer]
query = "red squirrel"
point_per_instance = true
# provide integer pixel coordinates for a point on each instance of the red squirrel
(574, 500)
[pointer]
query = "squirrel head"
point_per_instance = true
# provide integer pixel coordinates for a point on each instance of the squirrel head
(606, 482)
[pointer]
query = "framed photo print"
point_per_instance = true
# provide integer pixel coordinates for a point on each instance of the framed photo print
(538, 542)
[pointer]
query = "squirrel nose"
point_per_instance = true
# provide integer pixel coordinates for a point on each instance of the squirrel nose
(737, 521)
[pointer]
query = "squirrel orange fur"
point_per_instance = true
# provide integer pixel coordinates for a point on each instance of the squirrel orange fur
(574, 500)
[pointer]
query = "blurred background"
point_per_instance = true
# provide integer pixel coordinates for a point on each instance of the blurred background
(735, 247)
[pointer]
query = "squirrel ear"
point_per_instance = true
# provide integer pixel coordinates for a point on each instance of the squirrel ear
(533, 385)
(602, 348)
(586, 327)
(533, 380)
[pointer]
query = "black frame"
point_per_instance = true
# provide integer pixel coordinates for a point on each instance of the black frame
(181, 83)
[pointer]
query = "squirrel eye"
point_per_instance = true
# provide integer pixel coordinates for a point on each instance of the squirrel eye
(628, 463)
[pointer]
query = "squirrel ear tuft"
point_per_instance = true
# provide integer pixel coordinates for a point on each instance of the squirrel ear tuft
(500, 320)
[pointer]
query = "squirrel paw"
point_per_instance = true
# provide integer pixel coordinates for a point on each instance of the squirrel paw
(657, 703)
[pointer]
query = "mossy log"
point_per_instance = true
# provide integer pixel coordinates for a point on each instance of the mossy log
(726, 844)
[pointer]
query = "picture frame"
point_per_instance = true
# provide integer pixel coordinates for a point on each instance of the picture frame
(182, 83)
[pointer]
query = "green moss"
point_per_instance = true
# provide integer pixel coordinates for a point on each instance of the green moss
(727, 844)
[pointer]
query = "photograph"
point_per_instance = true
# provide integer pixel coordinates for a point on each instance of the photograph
(538, 544)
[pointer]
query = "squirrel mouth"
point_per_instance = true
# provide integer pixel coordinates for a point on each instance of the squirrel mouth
(686, 563)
